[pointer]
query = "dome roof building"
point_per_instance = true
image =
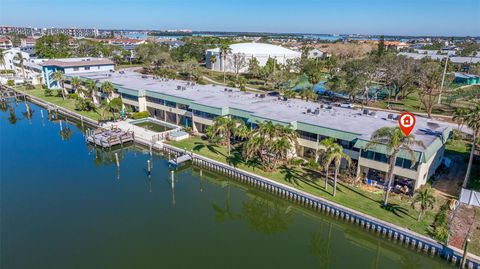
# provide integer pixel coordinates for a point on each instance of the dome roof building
(240, 54)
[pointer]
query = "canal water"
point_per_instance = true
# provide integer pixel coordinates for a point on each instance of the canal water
(64, 204)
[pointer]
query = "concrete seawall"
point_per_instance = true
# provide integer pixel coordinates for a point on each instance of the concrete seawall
(381, 228)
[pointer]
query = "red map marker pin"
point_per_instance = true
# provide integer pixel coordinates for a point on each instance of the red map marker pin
(407, 121)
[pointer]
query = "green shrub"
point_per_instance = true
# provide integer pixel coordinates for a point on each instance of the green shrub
(440, 224)
(73, 96)
(140, 115)
(201, 82)
(231, 84)
(10, 82)
(29, 87)
(83, 104)
(48, 92)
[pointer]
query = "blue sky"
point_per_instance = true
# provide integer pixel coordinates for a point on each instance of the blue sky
(404, 17)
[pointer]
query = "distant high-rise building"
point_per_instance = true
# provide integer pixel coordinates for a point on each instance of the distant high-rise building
(27, 31)
(74, 32)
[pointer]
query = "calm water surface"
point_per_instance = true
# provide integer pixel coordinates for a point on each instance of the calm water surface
(63, 204)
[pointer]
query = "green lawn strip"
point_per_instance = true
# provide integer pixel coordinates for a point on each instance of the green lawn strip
(56, 100)
(475, 235)
(400, 214)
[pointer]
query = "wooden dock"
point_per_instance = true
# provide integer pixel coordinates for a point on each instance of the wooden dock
(108, 138)
(179, 160)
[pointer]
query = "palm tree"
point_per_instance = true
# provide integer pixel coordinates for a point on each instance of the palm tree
(472, 120)
(107, 88)
(76, 82)
(326, 145)
(394, 140)
(335, 156)
(60, 78)
(225, 127)
(21, 60)
(213, 60)
(425, 198)
(459, 117)
(89, 91)
(2, 60)
(224, 50)
(271, 143)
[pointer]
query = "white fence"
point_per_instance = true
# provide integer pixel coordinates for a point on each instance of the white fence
(470, 197)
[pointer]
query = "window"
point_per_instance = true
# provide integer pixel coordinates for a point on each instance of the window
(87, 67)
(75, 69)
(155, 100)
(182, 106)
(129, 97)
(170, 104)
(307, 135)
(204, 115)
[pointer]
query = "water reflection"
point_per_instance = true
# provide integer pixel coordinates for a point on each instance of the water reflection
(225, 213)
(121, 214)
(266, 216)
(320, 245)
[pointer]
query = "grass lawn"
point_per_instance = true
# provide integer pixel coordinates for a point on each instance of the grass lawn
(54, 99)
(399, 213)
(462, 148)
(474, 246)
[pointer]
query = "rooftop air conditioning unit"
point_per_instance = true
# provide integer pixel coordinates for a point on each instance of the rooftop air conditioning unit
(225, 89)
(179, 87)
(366, 111)
(184, 88)
(309, 110)
(390, 116)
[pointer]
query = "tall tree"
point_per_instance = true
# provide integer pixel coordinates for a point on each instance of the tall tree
(52, 46)
(76, 82)
(393, 139)
(225, 127)
(399, 75)
(254, 67)
(381, 47)
(108, 89)
(429, 82)
(21, 61)
(59, 77)
(326, 146)
(335, 155)
(472, 120)
(238, 63)
(271, 143)
(224, 51)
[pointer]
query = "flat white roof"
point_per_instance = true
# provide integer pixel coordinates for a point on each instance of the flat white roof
(259, 48)
(337, 118)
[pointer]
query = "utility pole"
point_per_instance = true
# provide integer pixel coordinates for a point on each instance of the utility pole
(443, 80)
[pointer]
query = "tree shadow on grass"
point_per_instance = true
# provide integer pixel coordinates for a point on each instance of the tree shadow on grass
(296, 176)
(396, 209)
(212, 148)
